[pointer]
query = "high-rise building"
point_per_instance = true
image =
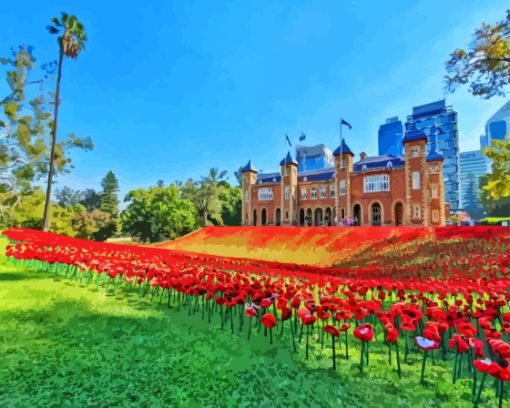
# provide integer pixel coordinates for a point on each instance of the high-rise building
(498, 126)
(314, 157)
(472, 165)
(439, 122)
(390, 137)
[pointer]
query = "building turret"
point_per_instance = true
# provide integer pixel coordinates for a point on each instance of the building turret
(435, 194)
(343, 168)
(288, 213)
(249, 173)
(416, 180)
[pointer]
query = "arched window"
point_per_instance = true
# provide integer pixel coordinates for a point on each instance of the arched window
(389, 165)
(364, 167)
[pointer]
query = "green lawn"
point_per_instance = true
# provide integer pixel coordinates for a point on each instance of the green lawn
(66, 345)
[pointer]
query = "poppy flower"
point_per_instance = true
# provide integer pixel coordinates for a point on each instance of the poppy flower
(269, 320)
(466, 328)
(365, 332)
(266, 303)
(250, 310)
(308, 320)
(331, 330)
(392, 334)
(488, 367)
(458, 344)
(426, 344)
(500, 347)
(477, 345)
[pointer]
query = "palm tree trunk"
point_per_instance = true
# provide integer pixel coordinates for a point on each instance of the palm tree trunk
(46, 218)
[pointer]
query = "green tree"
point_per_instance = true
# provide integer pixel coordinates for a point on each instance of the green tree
(485, 64)
(239, 176)
(497, 183)
(470, 198)
(158, 213)
(90, 199)
(87, 223)
(24, 127)
(67, 196)
(231, 204)
(109, 204)
(71, 42)
(205, 195)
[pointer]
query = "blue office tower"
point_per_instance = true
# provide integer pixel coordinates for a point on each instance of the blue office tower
(439, 122)
(390, 137)
(498, 126)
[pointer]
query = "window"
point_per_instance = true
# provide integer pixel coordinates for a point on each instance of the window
(324, 193)
(434, 191)
(342, 213)
(304, 194)
(389, 165)
(286, 215)
(434, 169)
(332, 190)
(305, 179)
(415, 151)
(342, 187)
(416, 180)
(378, 182)
(246, 196)
(435, 216)
(265, 194)
(416, 212)
(313, 193)
(286, 192)
(364, 167)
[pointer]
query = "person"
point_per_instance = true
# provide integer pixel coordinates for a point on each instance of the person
(346, 221)
(356, 222)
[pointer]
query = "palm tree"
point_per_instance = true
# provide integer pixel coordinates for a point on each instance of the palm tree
(71, 42)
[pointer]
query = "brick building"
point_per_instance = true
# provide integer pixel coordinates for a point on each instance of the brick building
(382, 190)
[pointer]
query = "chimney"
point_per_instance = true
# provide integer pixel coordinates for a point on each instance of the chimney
(363, 155)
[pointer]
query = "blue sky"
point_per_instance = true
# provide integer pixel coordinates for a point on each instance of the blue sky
(168, 90)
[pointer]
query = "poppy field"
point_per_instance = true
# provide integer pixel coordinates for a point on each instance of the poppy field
(422, 312)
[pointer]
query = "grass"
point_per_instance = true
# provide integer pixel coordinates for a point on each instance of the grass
(495, 220)
(67, 345)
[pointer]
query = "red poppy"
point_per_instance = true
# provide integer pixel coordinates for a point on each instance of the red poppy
(391, 334)
(331, 330)
(488, 366)
(477, 344)
(265, 303)
(458, 344)
(308, 320)
(365, 332)
(286, 313)
(269, 320)
(345, 327)
(500, 347)
(426, 344)
(250, 310)
(466, 328)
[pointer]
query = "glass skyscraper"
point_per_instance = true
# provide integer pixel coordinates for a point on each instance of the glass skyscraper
(314, 157)
(498, 126)
(390, 137)
(439, 122)
(472, 164)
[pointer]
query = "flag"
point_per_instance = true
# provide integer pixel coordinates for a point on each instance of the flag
(302, 137)
(288, 140)
(344, 122)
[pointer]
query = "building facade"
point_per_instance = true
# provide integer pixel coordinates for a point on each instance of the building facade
(314, 157)
(473, 165)
(382, 190)
(439, 123)
(390, 137)
(498, 126)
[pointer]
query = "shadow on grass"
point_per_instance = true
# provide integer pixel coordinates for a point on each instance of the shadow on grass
(6, 276)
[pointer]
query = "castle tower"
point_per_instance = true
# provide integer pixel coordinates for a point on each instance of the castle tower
(343, 171)
(249, 173)
(416, 179)
(288, 214)
(435, 193)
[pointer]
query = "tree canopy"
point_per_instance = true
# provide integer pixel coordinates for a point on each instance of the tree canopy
(485, 63)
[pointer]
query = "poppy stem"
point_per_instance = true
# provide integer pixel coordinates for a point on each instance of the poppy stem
(270, 336)
(334, 356)
(422, 380)
(346, 346)
(362, 356)
(500, 405)
(398, 360)
(249, 328)
(307, 336)
(293, 339)
(477, 400)
(455, 367)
